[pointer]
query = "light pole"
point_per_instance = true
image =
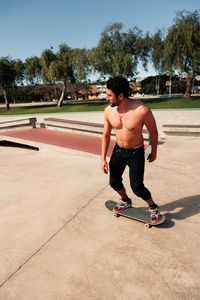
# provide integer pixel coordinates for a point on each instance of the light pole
(157, 85)
(170, 87)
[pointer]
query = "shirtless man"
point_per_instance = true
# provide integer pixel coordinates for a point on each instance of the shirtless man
(127, 117)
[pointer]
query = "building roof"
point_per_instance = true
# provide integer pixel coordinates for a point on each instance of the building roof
(92, 89)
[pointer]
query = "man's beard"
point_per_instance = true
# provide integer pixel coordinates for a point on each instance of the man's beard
(117, 103)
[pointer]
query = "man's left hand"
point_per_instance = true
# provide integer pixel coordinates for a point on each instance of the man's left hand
(151, 157)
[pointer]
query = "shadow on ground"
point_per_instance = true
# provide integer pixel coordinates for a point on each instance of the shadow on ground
(183, 208)
(179, 210)
(17, 145)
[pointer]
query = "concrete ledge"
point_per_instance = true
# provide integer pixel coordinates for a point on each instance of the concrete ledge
(10, 125)
(71, 125)
(181, 130)
(80, 126)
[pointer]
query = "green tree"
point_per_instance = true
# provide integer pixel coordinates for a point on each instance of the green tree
(50, 67)
(33, 69)
(118, 52)
(62, 69)
(58, 68)
(148, 85)
(46, 59)
(67, 67)
(179, 49)
(11, 74)
(19, 67)
(157, 50)
(79, 60)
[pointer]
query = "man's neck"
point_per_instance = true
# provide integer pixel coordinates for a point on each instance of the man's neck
(124, 105)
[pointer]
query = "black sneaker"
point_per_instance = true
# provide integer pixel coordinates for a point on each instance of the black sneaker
(121, 205)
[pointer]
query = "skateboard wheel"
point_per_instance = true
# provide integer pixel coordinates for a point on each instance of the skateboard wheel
(116, 215)
(147, 225)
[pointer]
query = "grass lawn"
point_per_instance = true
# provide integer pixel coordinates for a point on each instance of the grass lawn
(161, 103)
(167, 103)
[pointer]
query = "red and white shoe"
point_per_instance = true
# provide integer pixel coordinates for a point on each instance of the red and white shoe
(122, 205)
(155, 214)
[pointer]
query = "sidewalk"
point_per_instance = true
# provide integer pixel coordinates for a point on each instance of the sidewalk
(59, 242)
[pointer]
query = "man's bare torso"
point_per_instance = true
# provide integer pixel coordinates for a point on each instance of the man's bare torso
(128, 124)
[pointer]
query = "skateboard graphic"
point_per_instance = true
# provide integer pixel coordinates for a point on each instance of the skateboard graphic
(134, 213)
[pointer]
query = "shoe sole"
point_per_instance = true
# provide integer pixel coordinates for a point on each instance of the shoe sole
(159, 221)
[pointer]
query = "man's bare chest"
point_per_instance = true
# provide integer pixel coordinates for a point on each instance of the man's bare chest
(129, 121)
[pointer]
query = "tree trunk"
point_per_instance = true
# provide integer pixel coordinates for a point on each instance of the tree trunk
(86, 89)
(6, 99)
(60, 101)
(189, 77)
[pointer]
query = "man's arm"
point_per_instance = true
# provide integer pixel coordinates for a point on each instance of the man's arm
(150, 124)
(105, 142)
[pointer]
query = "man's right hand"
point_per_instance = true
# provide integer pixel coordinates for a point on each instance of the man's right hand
(104, 166)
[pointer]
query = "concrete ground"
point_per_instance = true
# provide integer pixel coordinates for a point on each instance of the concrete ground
(58, 241)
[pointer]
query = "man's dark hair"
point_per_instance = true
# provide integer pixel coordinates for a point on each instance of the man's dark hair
(118, 85)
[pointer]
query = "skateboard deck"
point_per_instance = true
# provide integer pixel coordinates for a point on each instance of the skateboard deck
(138, 214)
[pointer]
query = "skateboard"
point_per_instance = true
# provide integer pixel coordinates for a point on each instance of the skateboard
(134, 213)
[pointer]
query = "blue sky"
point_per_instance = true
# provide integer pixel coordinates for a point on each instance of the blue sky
(28, 27)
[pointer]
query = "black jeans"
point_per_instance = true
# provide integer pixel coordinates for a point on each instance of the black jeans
(134, 159)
